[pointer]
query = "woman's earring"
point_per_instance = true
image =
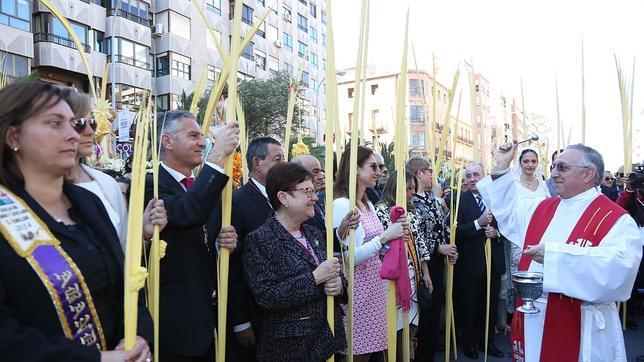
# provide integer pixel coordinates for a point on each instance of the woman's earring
(15, 149)
(286, 206)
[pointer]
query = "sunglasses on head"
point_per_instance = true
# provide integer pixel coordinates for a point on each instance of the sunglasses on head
(81, 123)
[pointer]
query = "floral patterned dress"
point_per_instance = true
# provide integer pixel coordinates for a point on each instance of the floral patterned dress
(370, 295)
(420, 254)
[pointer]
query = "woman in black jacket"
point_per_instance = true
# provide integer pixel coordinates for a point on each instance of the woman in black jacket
(61, 264)
(287, 270)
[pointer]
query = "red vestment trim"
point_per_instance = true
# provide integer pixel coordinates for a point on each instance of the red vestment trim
(562, 327)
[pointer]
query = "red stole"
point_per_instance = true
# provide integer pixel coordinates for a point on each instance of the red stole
(562, 327)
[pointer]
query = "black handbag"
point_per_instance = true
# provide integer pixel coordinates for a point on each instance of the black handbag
(425, 298)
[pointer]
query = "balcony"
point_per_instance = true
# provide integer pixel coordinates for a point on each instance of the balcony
(131, 61)
(57, 39)
(124, 14)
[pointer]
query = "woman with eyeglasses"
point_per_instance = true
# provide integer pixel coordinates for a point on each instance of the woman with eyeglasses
(370, 291)
(102, 185)
(287, 270)
(61, 265)
(417, 251)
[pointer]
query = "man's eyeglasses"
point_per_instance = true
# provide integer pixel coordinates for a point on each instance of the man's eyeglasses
(309, 192)
(80, 124)
(563, 167)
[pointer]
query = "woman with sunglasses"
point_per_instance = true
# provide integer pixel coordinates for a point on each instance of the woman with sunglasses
(61, 278)
(287, 270)
(370, 291)
(102, 185)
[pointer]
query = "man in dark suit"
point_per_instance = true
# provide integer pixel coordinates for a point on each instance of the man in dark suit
(186, 315)
(475, 225)
(251, 209)
(311, 164)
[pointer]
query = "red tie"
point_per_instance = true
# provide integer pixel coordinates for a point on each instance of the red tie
(188, 181)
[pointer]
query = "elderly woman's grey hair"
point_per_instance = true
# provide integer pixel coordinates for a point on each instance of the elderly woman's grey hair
(592, 158)
(167, 123)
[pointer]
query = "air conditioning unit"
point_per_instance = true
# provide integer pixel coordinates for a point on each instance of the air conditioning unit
(278, 43)
(287, 17)
(157, 30)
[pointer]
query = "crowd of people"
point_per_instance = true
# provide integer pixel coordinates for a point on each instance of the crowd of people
(64, 227)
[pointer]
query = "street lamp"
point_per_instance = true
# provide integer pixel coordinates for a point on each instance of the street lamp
(340, 72)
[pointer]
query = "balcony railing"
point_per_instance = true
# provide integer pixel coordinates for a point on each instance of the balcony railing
(131, 61)
(57, 39)
(129, 16)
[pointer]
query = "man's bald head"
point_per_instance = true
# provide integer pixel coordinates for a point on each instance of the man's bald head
(312, 164)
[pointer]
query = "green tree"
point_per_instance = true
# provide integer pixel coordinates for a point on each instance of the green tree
(265, 104)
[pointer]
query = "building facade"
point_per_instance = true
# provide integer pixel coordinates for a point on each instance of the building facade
(163, 46)
(378, 124)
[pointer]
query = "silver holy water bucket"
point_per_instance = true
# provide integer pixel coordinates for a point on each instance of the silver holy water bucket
(529, 285)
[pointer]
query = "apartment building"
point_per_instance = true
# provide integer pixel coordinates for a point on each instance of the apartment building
(163, 46)
(380, 108)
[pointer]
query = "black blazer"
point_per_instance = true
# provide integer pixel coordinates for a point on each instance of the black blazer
(279, 272)
(471, 243)
(29, 326)
(186, 316)
(250, 210)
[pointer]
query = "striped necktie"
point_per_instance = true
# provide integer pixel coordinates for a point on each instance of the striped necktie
(479, 201)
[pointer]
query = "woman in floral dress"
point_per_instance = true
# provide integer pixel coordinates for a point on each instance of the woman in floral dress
(370, 291)
(416, 246)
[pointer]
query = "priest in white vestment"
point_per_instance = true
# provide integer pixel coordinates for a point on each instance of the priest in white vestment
(594, 274)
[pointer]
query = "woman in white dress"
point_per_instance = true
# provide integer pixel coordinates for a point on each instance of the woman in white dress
(526, 172)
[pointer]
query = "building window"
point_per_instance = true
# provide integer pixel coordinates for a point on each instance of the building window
(214, 6)
(247, 14)
(374, 87)
(97, 41)
(418, 139)
(127, 96)
(261, 30)
(180, 66)
(287, 15)
(302, 49)
(135, 10)
(214, 74)
(175, 23)
(305, 79)
(16, 13)
(260, 59)
(302, 23)
(323, 17)
(210, 42)
(324, 39)
(314, 60)
(48, 28)
(288, 42)
(323, 63)
(416, 114)
(303, 2)
(288, 67)
(314, 85)
(313, 9)
(163, 64)
(249, 51)
(14, 66)
(273, 64)
(350, 92)
(272, 33)
(415, 88)
(313, 32)
(131, 53)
